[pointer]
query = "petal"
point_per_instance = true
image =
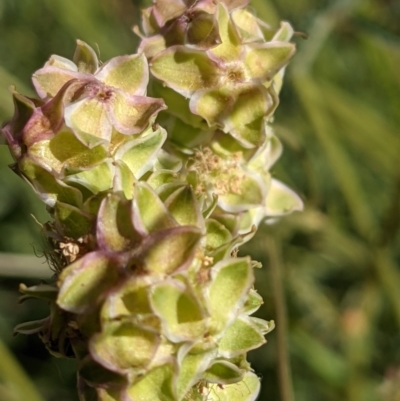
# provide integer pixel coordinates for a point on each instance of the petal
(281, 200)
(227, 292)
(64, 151)
(251, 194)
(217, 234)
(247, 25)
(167, 251)
(85, 58)
(165, 10)
(61, 62)
(242, 336)
(131, 115)
(152, 45)
(263, 61)
(179, 310)
(96, 179)
(132, 299)
(184, 207)
(285, 32)
(192, 367)
(246, 120)
(203, 30)
(47, 186)
(245, 390)
(140, 154)
(149, 212)
(24, 108)
(48, 119)
(185, 70)
(156, 385)
(211, 104)
(115, 231)
(124, 180)
(128, 73)
(230, 48)
(88, 120)
(223, 372)
(71, 221)
(123, 345)
(84, 282)
(49, 80)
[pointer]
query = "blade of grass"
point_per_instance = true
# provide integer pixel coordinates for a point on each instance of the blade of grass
(284, 369)
(23, 266)
(325, 363)
(312, 100)
(14, 377)
(372, 134)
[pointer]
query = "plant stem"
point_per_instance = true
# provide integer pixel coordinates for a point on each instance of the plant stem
(23, 266)
(284, 370)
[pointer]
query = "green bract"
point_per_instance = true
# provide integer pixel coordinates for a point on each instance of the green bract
(149, 294)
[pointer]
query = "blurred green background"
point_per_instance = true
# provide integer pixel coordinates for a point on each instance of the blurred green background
(331, 276)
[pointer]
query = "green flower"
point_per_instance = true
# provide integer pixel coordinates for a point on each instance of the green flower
(99, 100)
(230, 85)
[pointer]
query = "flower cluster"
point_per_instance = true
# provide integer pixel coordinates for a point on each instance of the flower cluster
(149, 293)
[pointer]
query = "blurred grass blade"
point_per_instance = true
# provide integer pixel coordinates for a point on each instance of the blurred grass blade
(389, 275)
(325, 363)
(15, 379)
(365, 128)
(23, 266)
(312, 100)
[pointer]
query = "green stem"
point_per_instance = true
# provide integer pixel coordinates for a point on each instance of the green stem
(284, 369)
(15, 379)
(23, 266)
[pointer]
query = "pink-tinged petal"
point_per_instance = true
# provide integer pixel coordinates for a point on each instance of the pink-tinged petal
(149, 212)
(211, 104)
(114, 229)
(85, 282)
(47, 186)
(88, 120)
(24, 108)
(61, 62)
(152, 46)
(182, 316)
(128, 73)
(231, 4)
(165, 10)
(203, 30)
(246, 121)
(48, 119)
(85, 58)
(263, 61)
(167, 251)
(131, 115)
(49, 80)
(72, 222)
(139, 154)
(65, 151)
(248, 26)
(123, 346)
(185, 70)
(184, 207)
(230, 48)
